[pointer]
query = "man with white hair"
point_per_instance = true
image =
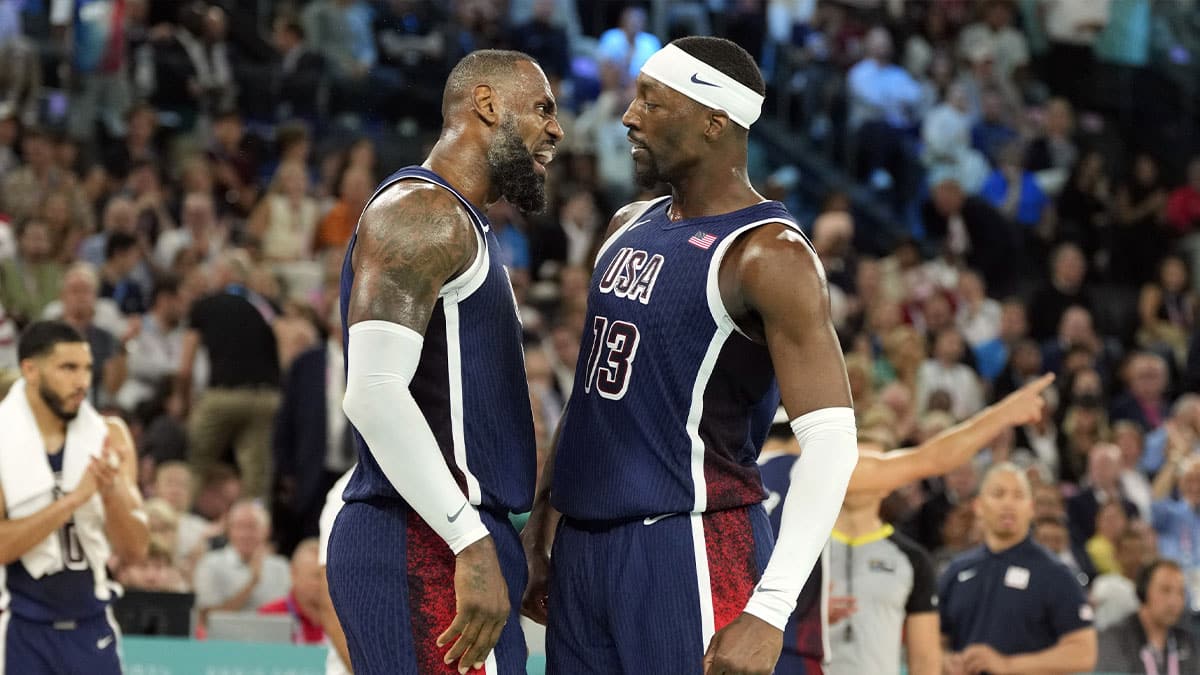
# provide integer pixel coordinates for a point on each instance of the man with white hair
(243, 575)
(197, 230)
(1104, 486)
(1145, 401)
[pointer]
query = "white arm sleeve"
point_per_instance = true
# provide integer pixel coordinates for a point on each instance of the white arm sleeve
(383, 357)
(828, 454)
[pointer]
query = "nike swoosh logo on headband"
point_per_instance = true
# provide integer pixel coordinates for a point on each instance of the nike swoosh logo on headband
(697, 80)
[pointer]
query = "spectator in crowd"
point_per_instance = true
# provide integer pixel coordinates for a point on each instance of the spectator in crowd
(1138, 238)
(1111, 521)
(1167, 310)
(1077, 337)
(628, 45)
(156, 572)
(97, 69)
(175, 485)
(233, 324)
(1103, 486)
(996, 29)
(155, 352)
(1184, 423)
(234, 164)
(958, 488)
(32, 279)
(1183, 205)
(883, 100)
(245, 574)
(298, 80)
(1176, 521)
(313, 443)
(1052, 152)
(978, 316)
(1035, 616)
(100, 323)
(1128, 437)
(336, 227)
(1114, 594)
(1063, 290)
(1151, 640)
(968, 226)
(1085, 207)
(304, 602)
(24, 189)
(1145, 400)
(1051, 532)
(119, 215)
(946, 372)
(122, 255)
(198, 233)
(546, 40)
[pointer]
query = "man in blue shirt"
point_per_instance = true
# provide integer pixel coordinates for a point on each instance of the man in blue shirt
(1009, 606)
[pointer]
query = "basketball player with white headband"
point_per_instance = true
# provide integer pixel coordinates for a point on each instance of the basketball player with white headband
(707, 306)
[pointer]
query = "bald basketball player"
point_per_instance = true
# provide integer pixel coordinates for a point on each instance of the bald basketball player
(424, 569)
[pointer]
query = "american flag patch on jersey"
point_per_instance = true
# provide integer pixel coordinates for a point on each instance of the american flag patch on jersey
(703, 240)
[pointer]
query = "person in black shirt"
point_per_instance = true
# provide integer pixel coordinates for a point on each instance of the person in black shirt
(234, 326)
(1151, 640)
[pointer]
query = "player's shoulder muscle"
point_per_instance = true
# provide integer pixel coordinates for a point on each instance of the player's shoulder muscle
(412, 239)
(623, 216)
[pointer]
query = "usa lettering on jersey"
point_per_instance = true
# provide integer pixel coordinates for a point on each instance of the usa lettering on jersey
(632, 274)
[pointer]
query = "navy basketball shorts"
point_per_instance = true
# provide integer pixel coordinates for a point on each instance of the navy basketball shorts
(391, 578)
(647, 596)
(791, 663)
(64, 648)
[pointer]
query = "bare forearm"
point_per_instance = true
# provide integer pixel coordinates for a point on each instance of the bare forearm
(333, 629)
(18, 537)
(924, 664)
(1061, 658)
(1164, 482)
(238, 602)
(125, 524)
(957, 445)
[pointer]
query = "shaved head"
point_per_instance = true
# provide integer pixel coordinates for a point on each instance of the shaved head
(493, 67)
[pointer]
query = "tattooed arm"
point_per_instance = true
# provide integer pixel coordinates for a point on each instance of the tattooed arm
(412, 240)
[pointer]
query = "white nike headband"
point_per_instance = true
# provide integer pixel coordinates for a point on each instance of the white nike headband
(704, 84)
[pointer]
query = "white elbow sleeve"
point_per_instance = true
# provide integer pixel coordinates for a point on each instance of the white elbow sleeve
(828, 454)
(382, 358)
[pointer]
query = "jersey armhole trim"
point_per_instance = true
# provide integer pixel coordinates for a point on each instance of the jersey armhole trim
(625, 227)
(716, 305)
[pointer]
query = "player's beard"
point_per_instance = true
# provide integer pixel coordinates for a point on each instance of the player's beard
(510, 164)
(646, 172)
(57, 404)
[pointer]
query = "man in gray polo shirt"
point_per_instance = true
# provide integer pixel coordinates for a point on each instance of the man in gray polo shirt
(893, 586)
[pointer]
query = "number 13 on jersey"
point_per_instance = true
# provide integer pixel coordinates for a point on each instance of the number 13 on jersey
(610, 361)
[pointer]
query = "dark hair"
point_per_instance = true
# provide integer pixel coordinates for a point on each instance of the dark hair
(292, 25)
(289, 134)
(118, 243)
(40, 338)
(480, 64)
(1142, 588)
(167, 284)
(726, 57)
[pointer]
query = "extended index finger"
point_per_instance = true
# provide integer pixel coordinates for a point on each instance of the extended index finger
(1039, 385)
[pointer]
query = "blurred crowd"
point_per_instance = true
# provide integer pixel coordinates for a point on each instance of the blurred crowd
(178, 180)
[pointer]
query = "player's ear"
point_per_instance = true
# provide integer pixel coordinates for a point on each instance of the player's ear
(485, 104)
(718, 124)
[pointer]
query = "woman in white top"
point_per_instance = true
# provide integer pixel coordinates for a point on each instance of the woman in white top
(285, 225)
(285, 221)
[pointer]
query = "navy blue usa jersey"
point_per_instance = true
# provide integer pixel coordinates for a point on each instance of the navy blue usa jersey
(805, 633)
(470, 383)
(671, 402)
